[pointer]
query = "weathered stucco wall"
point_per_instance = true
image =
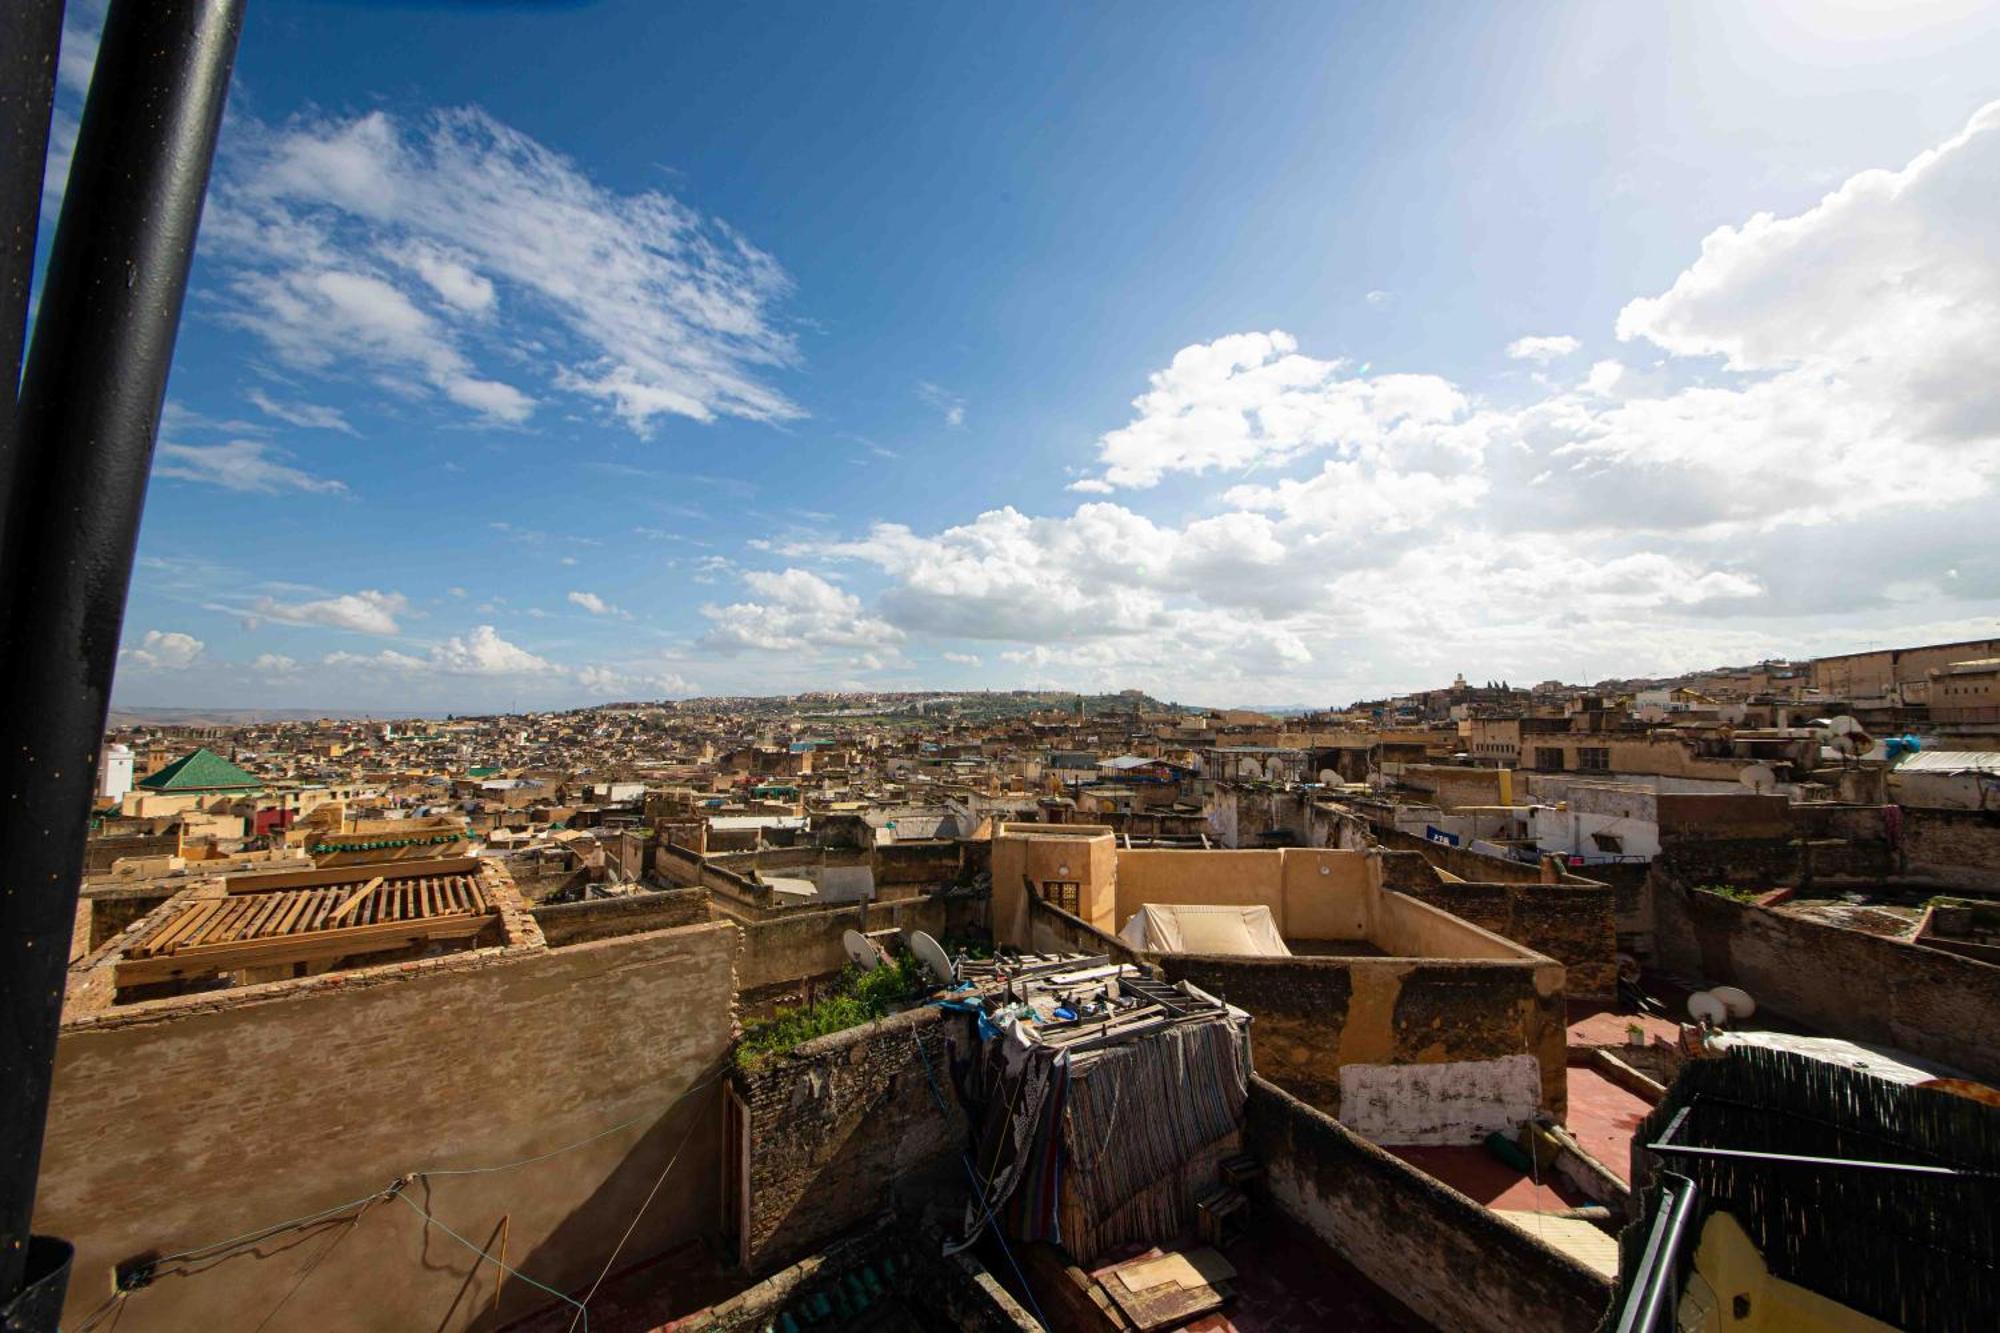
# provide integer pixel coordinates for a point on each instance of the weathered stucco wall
(195, 1121)
(1317, 1016)
(1846, 982)
(1083, 854)
(606, 918)
(790, 947)
(1447, 1258)
(1313, 893)
(1956, 847)
(1573, 924)
(844, 1127)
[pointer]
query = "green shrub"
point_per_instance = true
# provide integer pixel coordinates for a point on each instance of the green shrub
(854, 998)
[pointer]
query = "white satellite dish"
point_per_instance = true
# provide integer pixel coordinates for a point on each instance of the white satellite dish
(862, 950)
(932, 955)
(1758, 777)
(1703, 1007)
(1736, 1001)
(1845, 726)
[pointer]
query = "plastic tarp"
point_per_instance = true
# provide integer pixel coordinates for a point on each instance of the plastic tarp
(1204, 929)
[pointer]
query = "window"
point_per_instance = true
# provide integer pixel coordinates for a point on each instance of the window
(1549, 758)
(1594, 759)
(1608, 842)
(1062, 893)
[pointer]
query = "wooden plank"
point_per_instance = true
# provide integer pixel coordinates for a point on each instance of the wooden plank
(224, 924)
(207, 960)
(188, 918)
(268, 907)
(342, 875)
(294, 914)
(353, 900)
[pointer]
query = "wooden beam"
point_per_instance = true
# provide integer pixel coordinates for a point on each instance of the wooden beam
(352, 901)
(233, 955)
(335, 876)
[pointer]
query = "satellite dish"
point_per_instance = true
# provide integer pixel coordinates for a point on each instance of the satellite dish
(1736, 1001)
(862, 950)
(1705, 1008)
(1758, 777)
(932, 955)
(1845, 726)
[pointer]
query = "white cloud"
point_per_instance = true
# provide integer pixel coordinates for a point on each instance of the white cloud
(948, 404)
(596, 605)
(1544, 349)
(1604, 377)
(963, 659)
(274, 664)
(310, 416)
(795, 610)
(77, 59)
(164, 650)
(413, 251)
(364, 612)
(1251, 400)
(484, 653)
(1655, 515)
(240, 465)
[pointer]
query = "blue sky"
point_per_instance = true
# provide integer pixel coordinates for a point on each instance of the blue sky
(1277, 353)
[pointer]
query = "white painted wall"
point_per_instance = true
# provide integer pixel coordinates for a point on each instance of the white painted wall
(1460, 1101)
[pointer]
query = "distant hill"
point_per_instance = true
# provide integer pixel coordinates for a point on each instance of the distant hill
(121, 716)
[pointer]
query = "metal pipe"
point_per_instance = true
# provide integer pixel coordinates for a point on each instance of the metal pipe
(89, 412)
(1653, 1293)
(1844, 1163)
(30, 39)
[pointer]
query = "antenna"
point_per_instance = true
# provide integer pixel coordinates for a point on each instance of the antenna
(1735, 1000)
(1704, 1007)
(862, 950)
(932, 955)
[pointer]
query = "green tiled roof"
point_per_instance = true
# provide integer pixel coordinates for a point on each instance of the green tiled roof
(204, 770)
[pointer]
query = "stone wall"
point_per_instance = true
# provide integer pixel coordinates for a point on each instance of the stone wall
(179, 1123)
(788, 948)
(1318, 1017)
(1843, 982)
(1571, 923)
(1445, 1257)
(1956, 847)
(605, 918)
(846, 1126)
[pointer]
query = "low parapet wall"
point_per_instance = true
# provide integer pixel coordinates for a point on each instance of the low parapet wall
(604, 918)
(1933, 1004)
(1448, 1259)
(582, 1072)
(1415, 1050)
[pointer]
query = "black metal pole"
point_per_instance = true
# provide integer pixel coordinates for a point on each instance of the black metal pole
(90, 408)
(30, 33)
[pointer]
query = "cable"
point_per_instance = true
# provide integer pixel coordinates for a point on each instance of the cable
(333, 1245)
(561, 1296)
(95, 1317)
(965, 1160)
(633, 1226)
(530, 1161)
(207, 1251)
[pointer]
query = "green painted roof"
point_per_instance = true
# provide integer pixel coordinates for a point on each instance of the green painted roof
(204, 770)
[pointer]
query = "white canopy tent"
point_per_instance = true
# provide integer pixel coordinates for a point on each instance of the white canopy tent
(1201, 928)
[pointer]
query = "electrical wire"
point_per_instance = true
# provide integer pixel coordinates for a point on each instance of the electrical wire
(581, 1309)
(95, 1317)
(561, 1296)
